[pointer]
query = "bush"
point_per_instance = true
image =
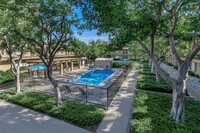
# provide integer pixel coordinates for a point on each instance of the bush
(6, 76)
(71, 111)
(147, 80)
(151, 115)
(116, 59)
(162, 87)
(191, 73)
(120, 64)
(176, 67)
(23, 68)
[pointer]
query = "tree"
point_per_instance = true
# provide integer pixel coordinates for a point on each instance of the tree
(142, 21)
(12, 43)
(51, 23)
(78, 47)
(1, 57)
(96, 49)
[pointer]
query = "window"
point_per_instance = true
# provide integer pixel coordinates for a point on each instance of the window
(194, 66)
(125, 51)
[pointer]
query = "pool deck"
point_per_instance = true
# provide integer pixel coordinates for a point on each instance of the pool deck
(118, 115)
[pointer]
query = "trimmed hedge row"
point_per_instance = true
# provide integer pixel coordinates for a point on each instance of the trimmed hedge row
(147, 80)
(120, 64)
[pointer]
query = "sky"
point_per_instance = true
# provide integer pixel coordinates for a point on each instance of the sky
(91, 35)
(88, 35)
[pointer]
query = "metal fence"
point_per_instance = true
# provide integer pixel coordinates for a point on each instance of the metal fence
(98, 96)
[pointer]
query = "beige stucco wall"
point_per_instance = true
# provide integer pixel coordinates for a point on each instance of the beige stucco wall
(102, 63)
(4, 66)
(198, 69)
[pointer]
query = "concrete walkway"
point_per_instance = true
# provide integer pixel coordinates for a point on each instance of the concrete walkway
(17, 119)
(118, 115)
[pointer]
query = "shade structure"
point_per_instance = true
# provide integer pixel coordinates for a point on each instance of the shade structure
(37, 67)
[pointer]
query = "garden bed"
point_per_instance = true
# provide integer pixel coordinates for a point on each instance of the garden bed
(74, 112)
(147, 80)
(151, 114)
(6, 77)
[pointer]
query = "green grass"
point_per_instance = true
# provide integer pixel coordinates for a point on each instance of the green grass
(70, 111)
(151, 115)
(147, 80)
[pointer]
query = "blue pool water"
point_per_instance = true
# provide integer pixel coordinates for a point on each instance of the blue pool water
(94, 77)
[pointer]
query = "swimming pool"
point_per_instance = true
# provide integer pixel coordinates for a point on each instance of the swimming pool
(93, 77)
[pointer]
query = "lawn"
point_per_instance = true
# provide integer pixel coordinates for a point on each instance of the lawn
(151, 115)
(70, 111)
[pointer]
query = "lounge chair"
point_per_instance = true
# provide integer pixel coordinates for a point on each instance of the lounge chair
(66, 89)
(83, 93)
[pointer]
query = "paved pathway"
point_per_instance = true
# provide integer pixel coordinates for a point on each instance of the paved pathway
(17, 119)
(193, 83)
(118, 115)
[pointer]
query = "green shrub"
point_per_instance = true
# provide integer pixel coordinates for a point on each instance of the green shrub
(6, 76)
(176, 67)
(161, 87)
(191, 73)
(120, 64)
(71, 111)
(147, 80)
(151, 115)
(23, 68)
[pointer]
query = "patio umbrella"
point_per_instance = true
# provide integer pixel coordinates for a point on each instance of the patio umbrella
(36, 67)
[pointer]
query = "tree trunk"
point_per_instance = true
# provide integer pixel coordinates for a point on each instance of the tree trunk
(152, 68)
(178, 102)
(58, 99)
(157, 77)
(17, 81)
(150, 62)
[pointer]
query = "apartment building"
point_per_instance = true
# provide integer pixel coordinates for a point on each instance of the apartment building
(62, 58)
(124, 53)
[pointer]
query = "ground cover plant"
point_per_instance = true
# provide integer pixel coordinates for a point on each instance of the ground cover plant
(151, 114)
(70, 111)
(119, 64)
(6, 77)
(147, 80)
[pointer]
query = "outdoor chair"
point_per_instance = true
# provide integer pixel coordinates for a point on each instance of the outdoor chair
(83, 93)
(65, 88)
